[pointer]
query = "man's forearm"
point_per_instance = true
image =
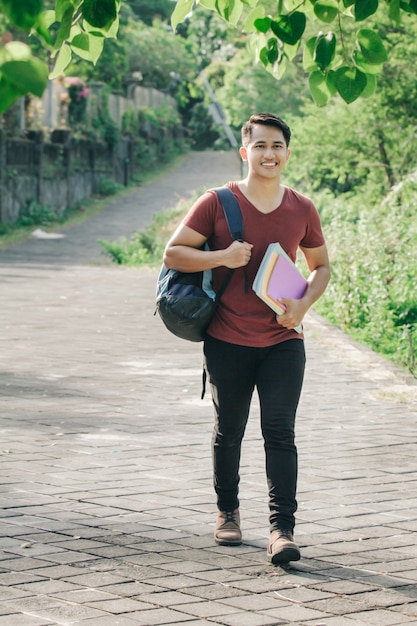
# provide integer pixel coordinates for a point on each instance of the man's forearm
(317, 283)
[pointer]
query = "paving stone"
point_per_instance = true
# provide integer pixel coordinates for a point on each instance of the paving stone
(67, 613)
(206, 610)
(383, 618)
(11, 579)
(83, 596)
(167, 598)
(249, 619)
(35, 603)
(214, 591)
(344, 587)
(131, 589)
(23, 564)
(120, 605)
(95, 579)
(255, 602)
(10, 593)
(48, 586)
(210, 575)
(409, 609)
(111, 620)
(339, 621)
(159, 616)
(181, 566)
(295, 613)
(20, 619)
(44, 551)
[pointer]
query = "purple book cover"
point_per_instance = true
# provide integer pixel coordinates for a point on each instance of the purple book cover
(285, 280)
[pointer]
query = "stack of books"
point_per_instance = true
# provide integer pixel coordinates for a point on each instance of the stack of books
(278, 277)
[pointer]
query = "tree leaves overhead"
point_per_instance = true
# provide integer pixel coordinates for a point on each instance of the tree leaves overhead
(182, 9)
(289, 28)
(326, 10)
(21, 73)
(340, 58)
(324, 50)
(26, 75)
(371, 46)
(99, 13)
(82, 27)
(22, 14)
(74, 27)
(350, 83)
(322, 87)
(365, 8)
(338, 41)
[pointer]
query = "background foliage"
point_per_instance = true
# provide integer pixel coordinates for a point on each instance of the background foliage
(356, 162)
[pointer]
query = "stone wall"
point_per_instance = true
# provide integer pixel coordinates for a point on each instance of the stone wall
(57, 174)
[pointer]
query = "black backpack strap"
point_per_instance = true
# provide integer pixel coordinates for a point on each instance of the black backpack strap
(234, 221)
(232, 212)
(233, 217)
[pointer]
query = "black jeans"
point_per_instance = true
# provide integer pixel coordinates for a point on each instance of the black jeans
(277, 373)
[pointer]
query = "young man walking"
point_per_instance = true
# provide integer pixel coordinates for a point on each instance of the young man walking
(247, 345)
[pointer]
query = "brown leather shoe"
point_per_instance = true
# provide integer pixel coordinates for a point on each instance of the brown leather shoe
(227, 532)
(282, 548)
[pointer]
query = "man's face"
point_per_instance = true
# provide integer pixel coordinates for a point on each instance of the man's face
(266, 152)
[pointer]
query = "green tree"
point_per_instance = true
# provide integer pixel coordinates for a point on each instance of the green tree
(340, 43)
(247, 88)
(163, 60)
(369, 144)
(209, 38)
(150, 10)
(111, 67)
(153, 52)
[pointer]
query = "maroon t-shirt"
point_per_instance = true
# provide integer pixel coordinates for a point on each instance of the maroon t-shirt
(242, 318)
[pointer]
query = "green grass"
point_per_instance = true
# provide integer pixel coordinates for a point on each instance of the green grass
(146, 248)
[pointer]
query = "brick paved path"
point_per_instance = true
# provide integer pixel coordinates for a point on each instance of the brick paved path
(107, 504)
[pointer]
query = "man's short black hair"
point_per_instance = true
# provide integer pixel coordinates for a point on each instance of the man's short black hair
(265, 119)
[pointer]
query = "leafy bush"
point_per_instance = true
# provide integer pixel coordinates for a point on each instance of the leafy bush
(158, 136)
(108, 187)
(372, 292)
(37, 214)
(201, 128)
